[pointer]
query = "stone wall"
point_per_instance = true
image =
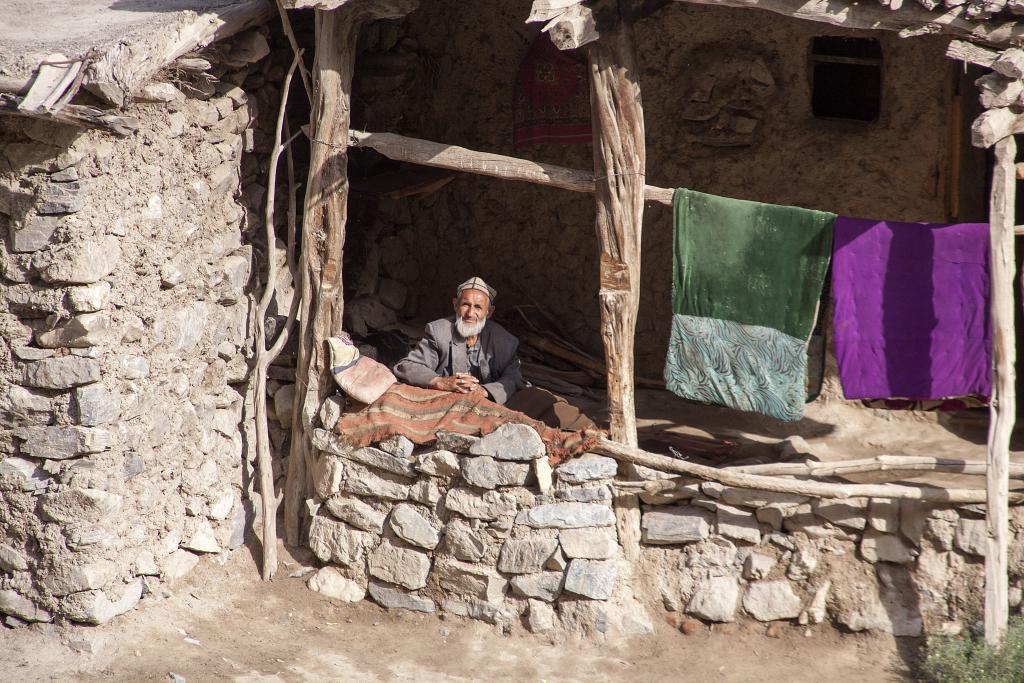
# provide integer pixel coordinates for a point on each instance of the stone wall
(482, 528)
(124, 336)
(450, 79)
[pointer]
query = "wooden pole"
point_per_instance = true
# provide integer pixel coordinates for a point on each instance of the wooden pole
(454, 158)
(265, 356)
(323, 231)
(1003, 409)
(323, 235)
(757, 482)
(901, 464)
(617, 118)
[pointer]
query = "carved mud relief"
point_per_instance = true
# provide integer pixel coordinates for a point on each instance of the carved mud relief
(725, 97)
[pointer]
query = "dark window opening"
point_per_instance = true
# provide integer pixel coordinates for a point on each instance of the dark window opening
(846, 78)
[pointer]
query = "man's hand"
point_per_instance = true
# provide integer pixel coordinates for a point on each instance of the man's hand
(463, 383)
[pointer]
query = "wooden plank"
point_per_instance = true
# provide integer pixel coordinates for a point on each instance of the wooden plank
(452, 157)
(971, 53)
(617, 119)
(1003, 409)
(50, 82)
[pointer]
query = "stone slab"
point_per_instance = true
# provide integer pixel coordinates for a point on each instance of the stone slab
(715, 599)
(671, 526)
(525, 556)
(394, 598)
(593, 579)
(488, 505)
(771, 601)
(544, 586)
(566, 516)
(356, 512)
(510, 442)
(588, 543)
(589, 467)
(402, 566)
(412, 526)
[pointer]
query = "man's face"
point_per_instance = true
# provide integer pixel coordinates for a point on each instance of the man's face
(472, 306)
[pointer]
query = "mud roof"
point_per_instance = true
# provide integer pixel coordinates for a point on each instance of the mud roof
(122, 43)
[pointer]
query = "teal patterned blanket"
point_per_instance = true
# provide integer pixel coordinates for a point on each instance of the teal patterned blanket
(747, 367)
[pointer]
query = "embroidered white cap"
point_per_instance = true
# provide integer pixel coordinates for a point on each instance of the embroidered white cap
(478, 283)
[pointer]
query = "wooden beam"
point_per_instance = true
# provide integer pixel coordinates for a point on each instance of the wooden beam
(757, 482)
(995, 125)
(882, 463)
(1003, 409)
(323, 231)
(123, 70)
(911, 19)
(617, 119)
(971, 53)
(74, 115)
(454, 158)
(572, 24)
(377, 9)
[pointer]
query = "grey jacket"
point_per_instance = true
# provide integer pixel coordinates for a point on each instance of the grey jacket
(442, 352)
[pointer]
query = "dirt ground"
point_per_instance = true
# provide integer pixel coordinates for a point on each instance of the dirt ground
(222, 623)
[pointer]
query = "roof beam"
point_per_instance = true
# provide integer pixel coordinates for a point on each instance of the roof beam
(74, 115)
(573, 24)
(374, 9)
(909, 20)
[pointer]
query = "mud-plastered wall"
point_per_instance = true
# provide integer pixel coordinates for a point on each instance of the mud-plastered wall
(761, 141)
(125, 332)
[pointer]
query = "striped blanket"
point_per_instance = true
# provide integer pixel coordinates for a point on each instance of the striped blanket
(418, 414)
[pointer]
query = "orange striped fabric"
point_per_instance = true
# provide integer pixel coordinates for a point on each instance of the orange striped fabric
(418, 414)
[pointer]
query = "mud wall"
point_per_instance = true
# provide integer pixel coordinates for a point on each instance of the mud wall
(537, 245)
(125, 333)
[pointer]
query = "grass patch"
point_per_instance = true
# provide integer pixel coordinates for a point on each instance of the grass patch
(967, 658)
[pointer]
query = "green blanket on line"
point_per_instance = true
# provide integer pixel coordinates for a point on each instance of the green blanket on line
(747, 279)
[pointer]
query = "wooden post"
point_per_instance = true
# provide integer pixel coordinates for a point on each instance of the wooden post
(323, 229)
(619, 165)
(1003, 409)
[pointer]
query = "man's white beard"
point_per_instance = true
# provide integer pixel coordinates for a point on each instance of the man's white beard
(468, 330)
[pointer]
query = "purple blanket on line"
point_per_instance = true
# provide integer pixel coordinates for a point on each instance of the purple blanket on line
(912, 309)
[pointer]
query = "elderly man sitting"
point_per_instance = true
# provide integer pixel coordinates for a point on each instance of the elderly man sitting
(470, 353)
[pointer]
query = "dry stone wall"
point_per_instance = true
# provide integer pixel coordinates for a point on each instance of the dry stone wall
(124, 337)
(482, 528)
(473, 527)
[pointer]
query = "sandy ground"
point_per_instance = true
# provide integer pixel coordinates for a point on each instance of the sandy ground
(222, 623)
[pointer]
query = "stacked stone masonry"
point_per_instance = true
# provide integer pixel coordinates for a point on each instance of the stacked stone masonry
(478, 527)
(125, 332)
